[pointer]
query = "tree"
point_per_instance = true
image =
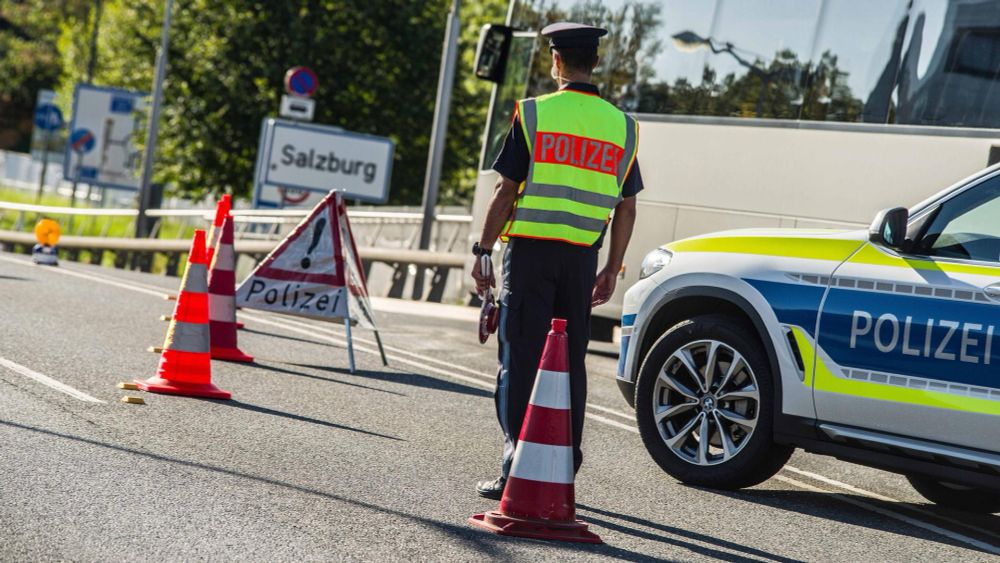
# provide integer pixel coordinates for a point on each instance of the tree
(29, 60)
(377, 63)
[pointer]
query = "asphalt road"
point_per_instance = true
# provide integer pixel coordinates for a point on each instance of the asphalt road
(309, 462)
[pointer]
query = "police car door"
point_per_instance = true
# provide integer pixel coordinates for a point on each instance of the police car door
(910, 342)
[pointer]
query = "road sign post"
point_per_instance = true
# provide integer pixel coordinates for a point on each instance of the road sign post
(435, 154)
(154, 123)
(81, 141)
(48, 118)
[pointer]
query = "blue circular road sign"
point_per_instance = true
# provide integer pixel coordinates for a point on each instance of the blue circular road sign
(48, 117)
(82, 140)
(301, 81)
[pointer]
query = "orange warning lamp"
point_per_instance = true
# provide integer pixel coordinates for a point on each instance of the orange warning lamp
(47, 232)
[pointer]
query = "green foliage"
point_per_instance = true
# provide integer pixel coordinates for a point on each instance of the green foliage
(29, 61)
(377, 63)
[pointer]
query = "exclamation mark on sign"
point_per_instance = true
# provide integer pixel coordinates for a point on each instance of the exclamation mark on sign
(317, 232)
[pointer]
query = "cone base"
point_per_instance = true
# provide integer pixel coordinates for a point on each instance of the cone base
(498, 523)
(230, 355)
(240, 326)
(159, 385)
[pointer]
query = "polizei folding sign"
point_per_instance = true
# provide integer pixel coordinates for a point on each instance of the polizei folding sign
(295, 158)
(315, 272)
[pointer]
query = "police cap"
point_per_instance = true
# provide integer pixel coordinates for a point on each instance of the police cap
(569, 35)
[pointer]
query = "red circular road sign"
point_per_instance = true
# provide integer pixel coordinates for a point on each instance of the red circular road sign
(292, 195)
(301, 81)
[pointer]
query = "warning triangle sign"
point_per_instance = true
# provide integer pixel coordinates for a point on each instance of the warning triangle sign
(307, 273)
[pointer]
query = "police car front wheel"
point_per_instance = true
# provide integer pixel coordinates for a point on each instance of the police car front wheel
(704, 405)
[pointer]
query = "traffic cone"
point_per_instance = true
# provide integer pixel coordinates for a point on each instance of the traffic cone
(186, 363)
(222, 210)
(538, 500)
(222, 299)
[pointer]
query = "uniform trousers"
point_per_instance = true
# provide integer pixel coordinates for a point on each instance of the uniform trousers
(542, 279)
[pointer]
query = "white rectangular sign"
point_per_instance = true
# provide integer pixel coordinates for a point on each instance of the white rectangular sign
(298, 156)
(104, 155)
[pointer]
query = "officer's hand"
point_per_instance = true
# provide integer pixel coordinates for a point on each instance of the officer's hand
(482, 281)
(604, 286)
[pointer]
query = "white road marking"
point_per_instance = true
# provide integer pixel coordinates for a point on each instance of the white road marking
(288, 324)
(836, 483)
(100, 279)
(610, 422)
(626, 416)
(46, 380)
(283, 323)
(895, 516)
(870, 494)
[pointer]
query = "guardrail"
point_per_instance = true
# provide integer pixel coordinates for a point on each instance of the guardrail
(258, 231)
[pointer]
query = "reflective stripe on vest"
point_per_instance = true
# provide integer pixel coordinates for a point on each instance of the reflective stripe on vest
(582, 149)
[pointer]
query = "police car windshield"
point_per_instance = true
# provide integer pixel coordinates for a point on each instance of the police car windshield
(967, 226)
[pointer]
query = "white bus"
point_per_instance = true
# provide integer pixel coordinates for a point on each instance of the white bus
(772, 113)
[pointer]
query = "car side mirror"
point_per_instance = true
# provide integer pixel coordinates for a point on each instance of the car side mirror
(491, 53)
(889, 228)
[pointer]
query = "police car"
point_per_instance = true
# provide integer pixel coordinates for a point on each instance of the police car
(881, 347)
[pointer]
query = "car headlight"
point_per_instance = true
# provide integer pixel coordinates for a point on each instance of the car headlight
(654, 262)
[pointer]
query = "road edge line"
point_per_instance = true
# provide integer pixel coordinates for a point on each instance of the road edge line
(47, 381)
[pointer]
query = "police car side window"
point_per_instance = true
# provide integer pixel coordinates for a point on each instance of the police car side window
(967, 227)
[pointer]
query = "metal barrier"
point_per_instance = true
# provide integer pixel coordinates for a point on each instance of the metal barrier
(383, 237)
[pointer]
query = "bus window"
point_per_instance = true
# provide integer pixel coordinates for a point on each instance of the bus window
(917, 62)
(854, 61)
(950, 73)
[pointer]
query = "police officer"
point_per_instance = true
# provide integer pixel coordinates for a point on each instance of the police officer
(566, 164)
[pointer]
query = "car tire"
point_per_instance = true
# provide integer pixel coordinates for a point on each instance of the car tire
(750, 456)
(960, 497)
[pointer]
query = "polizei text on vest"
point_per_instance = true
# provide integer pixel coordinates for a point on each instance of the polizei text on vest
(328, 162)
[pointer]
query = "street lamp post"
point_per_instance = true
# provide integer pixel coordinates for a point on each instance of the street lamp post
(435, 155)
(689, 42)
(154, 119)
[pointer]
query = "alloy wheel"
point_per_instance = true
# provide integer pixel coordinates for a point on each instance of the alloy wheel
(706, 402)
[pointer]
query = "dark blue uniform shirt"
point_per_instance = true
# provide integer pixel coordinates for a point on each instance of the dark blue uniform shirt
(514, 158)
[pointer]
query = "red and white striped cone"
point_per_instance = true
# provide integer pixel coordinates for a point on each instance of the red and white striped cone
(222, 298)
(222, 210)
(185, 364)
(539, 499)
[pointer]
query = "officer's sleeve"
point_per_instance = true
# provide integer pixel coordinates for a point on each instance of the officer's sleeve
(633, 182)
(512, 162)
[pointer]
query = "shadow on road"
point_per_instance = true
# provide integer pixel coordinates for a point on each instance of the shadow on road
(744, 553)
(295, 338)
(14, 278)
(408, 378)
(485, 544)
(271, 367)
(827, 505)
(300, 418)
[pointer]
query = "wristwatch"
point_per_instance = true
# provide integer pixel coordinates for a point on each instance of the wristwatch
(480, 251)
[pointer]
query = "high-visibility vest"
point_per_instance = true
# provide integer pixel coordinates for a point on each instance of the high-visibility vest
(582, 148)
